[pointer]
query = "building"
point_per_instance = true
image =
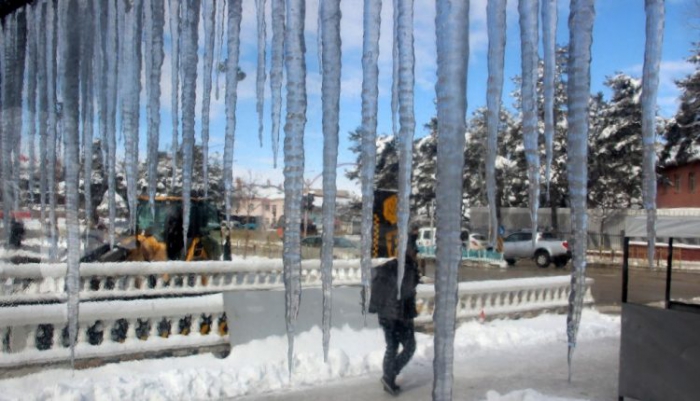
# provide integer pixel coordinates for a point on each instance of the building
(678, 186)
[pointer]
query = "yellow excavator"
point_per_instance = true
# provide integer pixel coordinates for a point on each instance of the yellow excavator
(159, 235)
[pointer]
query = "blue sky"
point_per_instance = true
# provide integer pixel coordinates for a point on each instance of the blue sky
(618, 45)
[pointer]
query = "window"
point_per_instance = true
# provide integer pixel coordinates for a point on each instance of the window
(267, 207)
(677, 182)
(691, 182)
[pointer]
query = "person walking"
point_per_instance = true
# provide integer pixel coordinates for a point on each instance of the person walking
(396, 315)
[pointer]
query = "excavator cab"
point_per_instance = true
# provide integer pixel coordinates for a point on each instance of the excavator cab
(159, 233)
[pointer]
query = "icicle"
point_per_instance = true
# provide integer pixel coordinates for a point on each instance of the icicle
(69, 31)
(650, 84)
(221, 15)
(86, 109)
(111, 49)
(260, 76)
(42, 86)
(131, 88)
(234, 46)
(276, 70)
(174, 81)
(51, 121)
(407, 127)
(154, 17)
(99, 76)
(549, 35)
(19, 52)
(330, 92)
(395, 72)
(190, 35)
(31, 88)
(208, 9)
(370, 94)
(496, 22)
(528, 39)
(295, 54)
(580, 40)
(7, 80)
(319, 35)
(451, 27)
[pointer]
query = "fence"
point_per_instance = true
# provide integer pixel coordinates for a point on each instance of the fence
(37, 334)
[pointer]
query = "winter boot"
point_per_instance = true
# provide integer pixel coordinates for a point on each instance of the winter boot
(390, 386)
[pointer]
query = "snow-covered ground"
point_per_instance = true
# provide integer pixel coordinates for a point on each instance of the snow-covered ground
(507, 360)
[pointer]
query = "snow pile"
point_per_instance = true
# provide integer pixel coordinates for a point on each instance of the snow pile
(261, 366)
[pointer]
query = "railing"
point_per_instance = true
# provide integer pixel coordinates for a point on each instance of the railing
(32, 283)
(502, 297)
(469, 255)
(38, 334)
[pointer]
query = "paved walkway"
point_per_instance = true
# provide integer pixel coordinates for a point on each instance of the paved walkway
(594, 378)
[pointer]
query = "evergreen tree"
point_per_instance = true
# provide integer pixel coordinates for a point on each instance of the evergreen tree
(683, 132)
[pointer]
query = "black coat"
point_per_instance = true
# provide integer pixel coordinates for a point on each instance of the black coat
(383, 299)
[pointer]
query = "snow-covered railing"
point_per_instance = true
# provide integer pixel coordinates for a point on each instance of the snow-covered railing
(45, 282)
(109, 330)
(502, 297)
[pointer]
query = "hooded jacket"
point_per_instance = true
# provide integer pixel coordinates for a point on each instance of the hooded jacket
(383, 299)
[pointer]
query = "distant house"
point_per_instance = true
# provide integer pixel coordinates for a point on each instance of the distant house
(678, 185)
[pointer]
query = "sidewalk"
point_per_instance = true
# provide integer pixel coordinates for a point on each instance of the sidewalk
(595, 375)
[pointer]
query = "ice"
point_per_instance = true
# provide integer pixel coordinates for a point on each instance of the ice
(407, 127)
(15, 105)
(276, 71)
(295, 54)
(8, 95)
(528, 45)
(370, 93)
(131, 88)
(190, 23)
(209, 19)
(111, 47)
(233, 38)
(174, 81)
(582, 14)
(221, 17)
(549, 36)
(451, 89)
(87, 47)
(650, 84)
(395, 71)
(496, 21)
(69, 33)
(51, 121)
(154, 17)
(260, 76)
(330, 92)
(31, 96)
(42, 99)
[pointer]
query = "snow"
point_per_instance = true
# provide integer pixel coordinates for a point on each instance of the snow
(258, 369)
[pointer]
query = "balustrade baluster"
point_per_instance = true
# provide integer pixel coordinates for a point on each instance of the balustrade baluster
(30, 345)
(57, 336)
(131, 329)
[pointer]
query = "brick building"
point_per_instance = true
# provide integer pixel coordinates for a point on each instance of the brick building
(678, 186)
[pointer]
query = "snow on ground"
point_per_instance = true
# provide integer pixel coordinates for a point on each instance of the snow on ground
(259, 369)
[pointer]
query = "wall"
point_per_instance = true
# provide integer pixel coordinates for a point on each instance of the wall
(675, 193)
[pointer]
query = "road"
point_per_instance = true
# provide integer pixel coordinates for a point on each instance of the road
(645, 286)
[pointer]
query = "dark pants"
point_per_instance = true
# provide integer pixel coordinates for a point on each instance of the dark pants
(397, 332)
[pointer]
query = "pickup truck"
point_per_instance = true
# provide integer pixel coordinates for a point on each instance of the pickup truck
(548, 249)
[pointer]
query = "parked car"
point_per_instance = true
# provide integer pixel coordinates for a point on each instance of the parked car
(426, 238)
(343, 248)
(547, 249)
(477, 241)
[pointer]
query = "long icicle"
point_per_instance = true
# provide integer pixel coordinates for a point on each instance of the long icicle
(407, 128)
(395, 72)
(582, 14)
(86, 109)
(31, 88)
(528, 39)
(650, 84)
(42, 96)
(111, 49)
(131, 87)
(209, 20)
(276, 71)
(496, 25)
(260, 75)
(8, 104)
(70, 38)
(452, 29)
(370, 94)
(549, 35)
(295, 54)
(51, 122)
(221, 15)
(175, 83)
(154, 17)
(330, 92)
(190, 23)
(18, 123)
